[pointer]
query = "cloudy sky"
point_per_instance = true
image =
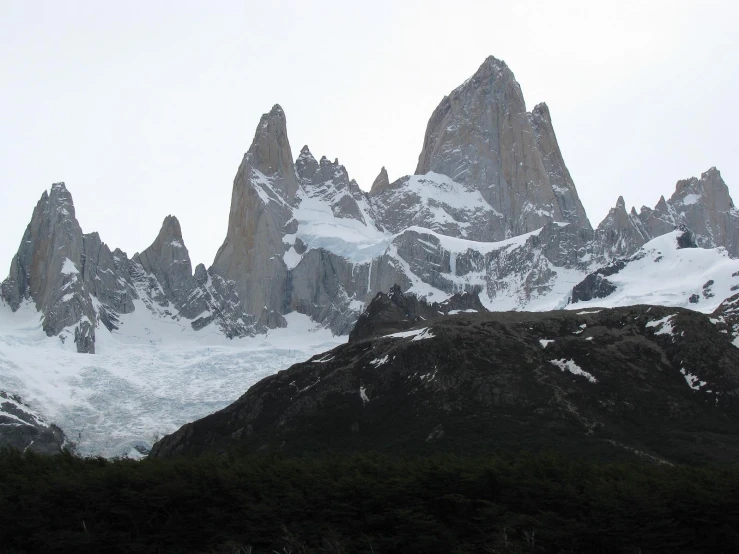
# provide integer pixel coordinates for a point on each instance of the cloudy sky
(145, 108)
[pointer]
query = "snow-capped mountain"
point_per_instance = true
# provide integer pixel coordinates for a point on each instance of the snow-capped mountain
(491, 210)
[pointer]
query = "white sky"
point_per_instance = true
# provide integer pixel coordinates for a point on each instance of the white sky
(145, 108)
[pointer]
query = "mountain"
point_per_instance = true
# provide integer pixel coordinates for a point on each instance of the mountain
(702, 205)
(78, 283)
(661, 384)
(491, 211)
(483, 139)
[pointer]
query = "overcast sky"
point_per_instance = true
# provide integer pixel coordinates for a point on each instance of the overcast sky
(145, 108)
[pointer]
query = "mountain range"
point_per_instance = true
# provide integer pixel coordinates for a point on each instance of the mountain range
(491, 210)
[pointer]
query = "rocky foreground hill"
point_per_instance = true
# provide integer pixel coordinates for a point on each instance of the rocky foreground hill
(659, 384)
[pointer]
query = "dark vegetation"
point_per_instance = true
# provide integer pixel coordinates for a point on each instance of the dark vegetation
(512, 502)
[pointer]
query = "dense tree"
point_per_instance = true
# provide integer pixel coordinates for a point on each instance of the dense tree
(364, 503)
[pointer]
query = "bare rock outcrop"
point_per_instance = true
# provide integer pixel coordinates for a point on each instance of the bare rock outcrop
(264, 192)
(381, 182)
(621, 233)
(482, 137)
(49, 268)
(22, 428)
(702, 205)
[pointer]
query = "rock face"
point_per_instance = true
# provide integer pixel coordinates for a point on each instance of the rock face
(482, 137)
(23, 429)
(49, 267)
(621, 233)
(702, 205)
(642, 381)
(554, 165)
(381, 182)
(261, 206)
(168, 262)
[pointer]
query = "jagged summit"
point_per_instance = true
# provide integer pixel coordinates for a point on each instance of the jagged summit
(491, 68)
(381, 182)
(170, 229)
(554, 164)
(270, 153)
(305, 153)
(482, 137)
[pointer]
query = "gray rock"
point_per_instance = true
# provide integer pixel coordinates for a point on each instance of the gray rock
(554, 164)
(329, 182)
(264, 192)
(620, 234)
(381, 182)
(24, 429)
(702, 205)
(482, 137)
(48, 269)
(168, 261)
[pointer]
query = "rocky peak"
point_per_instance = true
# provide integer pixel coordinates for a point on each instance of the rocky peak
(167, 257)
(270, 153)
(381, 182)
(263, 196)
(620, 233)
(554, 164)
(703, 205)
(453, 123)
(167, 272)
(49, 267)
(710, 190)
(482, 137)
(306, 165)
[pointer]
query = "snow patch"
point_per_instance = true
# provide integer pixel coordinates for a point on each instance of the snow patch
(693, 382)
(572, 367)
(363, 395)
(664, 326)
(69, 267)
(377, 362)
(417, 334)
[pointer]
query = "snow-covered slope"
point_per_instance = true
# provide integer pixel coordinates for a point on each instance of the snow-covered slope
(665, 274)
(147, 378)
